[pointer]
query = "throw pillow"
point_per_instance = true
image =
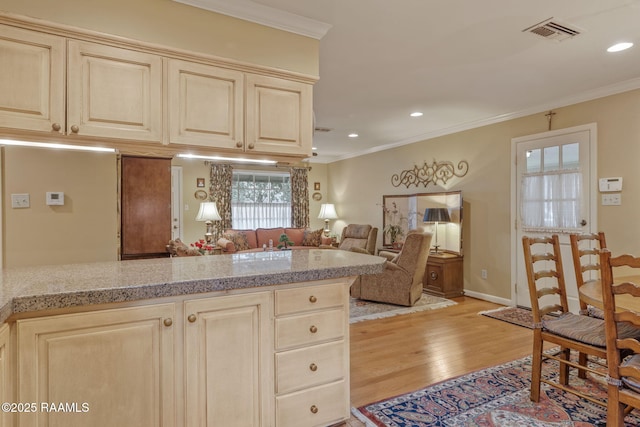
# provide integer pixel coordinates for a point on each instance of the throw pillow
(239, 240)
(312, 238)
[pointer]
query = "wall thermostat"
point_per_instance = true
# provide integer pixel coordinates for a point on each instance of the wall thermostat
(610, 184)
(55, 198)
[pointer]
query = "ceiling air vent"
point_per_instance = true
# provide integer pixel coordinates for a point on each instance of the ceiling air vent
(553, 29)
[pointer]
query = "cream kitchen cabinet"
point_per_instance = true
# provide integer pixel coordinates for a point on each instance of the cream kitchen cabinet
(32, 80)
(113, 92)
(115, 367)
(6, 379)
(228, 352)
(206, 105)
(279, 116)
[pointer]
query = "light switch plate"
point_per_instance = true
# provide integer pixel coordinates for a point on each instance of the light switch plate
(611, 199)
(19, 201)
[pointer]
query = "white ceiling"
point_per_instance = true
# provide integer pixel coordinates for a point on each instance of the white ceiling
(463, 63)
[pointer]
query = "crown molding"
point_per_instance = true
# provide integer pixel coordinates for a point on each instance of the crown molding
(264, 15)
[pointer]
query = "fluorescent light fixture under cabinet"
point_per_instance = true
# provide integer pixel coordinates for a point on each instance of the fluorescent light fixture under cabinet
(226, 159)
(56, 145)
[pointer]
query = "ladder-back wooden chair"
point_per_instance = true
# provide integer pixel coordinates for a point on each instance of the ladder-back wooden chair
(585, 251)
(569, 331)
(623, 391)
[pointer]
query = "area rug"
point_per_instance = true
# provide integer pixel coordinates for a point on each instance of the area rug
(516, 315)
(497, 396)
(360, 310)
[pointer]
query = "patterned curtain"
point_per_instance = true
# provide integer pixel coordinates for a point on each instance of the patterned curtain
(299, 198)
(220, 193)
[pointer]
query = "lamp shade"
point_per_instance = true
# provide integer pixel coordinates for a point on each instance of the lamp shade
(328, 211)
(436, 215)
(208, 212)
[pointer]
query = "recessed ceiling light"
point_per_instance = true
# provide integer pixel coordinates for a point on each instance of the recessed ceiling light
(353, 135)
(619, 47)
(314, 148)
(416, 114)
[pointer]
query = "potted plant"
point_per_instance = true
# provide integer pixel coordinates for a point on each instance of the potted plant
(284, 242)
(394, 232)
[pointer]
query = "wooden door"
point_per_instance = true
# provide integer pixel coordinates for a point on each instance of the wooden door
(145, 207)
(229, 361)
(31, 80)
(113, 92)
(112, 367)
(279, 117)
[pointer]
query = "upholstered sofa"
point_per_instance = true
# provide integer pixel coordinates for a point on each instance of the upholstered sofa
(233, 241)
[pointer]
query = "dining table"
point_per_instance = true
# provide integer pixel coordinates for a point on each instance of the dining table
(591, 293)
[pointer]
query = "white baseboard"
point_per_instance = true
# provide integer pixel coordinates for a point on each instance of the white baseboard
(490, 298)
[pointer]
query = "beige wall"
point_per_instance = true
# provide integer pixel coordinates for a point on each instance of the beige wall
(84, 229)
(357, 185)
(172, 24)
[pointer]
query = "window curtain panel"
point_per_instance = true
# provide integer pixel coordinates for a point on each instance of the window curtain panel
(220, 193)
(299, 198)
(551, 201)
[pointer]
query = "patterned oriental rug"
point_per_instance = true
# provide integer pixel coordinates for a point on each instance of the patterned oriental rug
(516, 315)
(497, 396)
(360, 310)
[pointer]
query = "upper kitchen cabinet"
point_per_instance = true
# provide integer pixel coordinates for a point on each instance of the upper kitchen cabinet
(32, 73)
(279, 116)
(206, 105)
(113, 92)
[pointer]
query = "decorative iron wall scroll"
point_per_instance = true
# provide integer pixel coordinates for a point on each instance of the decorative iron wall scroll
(430, 173)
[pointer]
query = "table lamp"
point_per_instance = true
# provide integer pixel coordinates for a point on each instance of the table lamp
(327, 212)
(208, 213)
(436, 215)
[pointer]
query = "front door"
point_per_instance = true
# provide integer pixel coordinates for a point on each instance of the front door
(555, 176)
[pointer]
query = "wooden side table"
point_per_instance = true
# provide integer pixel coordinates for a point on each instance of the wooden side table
(443, 275)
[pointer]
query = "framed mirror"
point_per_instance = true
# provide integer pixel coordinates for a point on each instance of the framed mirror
(402, 213)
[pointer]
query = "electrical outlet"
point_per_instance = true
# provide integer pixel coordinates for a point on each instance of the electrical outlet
(20, 201)
(483, 273)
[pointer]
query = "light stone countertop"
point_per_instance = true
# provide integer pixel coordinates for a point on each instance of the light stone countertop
(31, 289)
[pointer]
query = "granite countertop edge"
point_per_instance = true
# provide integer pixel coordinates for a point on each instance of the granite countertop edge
(67, 299)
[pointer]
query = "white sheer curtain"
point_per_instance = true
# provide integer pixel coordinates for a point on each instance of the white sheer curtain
(551, 201)
(260, 215)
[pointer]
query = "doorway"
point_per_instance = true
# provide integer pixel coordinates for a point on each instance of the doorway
(553, 192)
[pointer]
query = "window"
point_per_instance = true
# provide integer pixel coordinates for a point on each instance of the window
(551, 189)
(260, 200)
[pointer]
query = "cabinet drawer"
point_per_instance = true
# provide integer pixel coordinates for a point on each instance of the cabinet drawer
(318, 406)
(309, 328)
(310, 298)
(309, 366)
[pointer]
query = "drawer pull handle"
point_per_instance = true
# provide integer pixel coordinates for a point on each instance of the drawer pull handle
(434, 275)
(313, 367)
(314, 409)
(168, 322)
(192, 318)
(313, 299)
(313, 329)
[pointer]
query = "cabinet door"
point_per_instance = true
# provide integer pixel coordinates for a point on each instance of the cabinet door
(113, 92)
(5, 378)
(229, 361)
(278, 116)
(31, 80)
(113, 367)
(205, 105)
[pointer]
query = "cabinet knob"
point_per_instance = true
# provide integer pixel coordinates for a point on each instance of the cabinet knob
(239, 144)
(434, 275)
(168, 321)
(252, 146)
(313, 367)
(75, 129)
(191, 318)
(314, 409)
(313, 299)
(313, 329)
(56, 127)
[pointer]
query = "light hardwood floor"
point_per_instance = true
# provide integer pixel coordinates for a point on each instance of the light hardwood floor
(405, 353)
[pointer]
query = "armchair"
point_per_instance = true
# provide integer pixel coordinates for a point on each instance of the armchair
(401, 281)
(357, 238)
